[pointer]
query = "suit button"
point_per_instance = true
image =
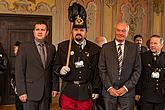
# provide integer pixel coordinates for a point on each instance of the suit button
(79, 71)
(157, 80)
(157, 84)
(79, 77)
(156, 88)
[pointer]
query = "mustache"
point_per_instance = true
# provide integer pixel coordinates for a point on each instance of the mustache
(78, 35)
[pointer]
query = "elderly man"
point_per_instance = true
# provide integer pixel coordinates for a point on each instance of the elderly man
(120, 68)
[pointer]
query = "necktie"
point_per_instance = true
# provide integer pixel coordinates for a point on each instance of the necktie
(139, 48)
(120, 59)
(42, 54)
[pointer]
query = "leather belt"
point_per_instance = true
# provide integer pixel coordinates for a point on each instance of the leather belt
(80, 82)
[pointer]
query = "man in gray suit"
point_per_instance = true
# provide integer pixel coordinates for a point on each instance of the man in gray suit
(120, 68)
(33, 70)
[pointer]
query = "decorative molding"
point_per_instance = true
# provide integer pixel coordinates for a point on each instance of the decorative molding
(134, 19)
(91, 14)
(91, 20)
(158, 6)
(27, 6)
(109, 3)
(133, 2)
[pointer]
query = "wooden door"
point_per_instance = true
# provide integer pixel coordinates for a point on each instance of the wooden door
(16, 28)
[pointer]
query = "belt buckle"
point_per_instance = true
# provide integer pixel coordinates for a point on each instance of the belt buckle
(76, 82)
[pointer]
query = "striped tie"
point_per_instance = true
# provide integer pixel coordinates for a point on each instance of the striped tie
(120, 58)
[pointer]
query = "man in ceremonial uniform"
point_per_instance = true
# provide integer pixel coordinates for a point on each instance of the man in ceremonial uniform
(80, 78)
(152, 80)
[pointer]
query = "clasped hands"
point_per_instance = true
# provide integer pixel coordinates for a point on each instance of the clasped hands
(117, 92)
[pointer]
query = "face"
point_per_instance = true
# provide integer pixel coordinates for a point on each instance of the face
(79, 34)
(40, 32)
(121, 32)
(15, 49)
(138, 40)
(155, 45)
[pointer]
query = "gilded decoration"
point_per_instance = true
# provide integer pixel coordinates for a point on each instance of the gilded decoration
(109, 3)
(91, 14)
(133, 2)
(27, 6)
(133, 18)
(157, 6)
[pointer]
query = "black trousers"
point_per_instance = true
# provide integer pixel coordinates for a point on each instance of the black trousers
(18, 103)
(112, 103)
(152, 106)
(138, 104)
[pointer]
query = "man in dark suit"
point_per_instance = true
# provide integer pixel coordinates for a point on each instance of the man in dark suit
(138, 39)
(3, 71)
(18, 103)
(33, 70)
(80, 78)
(152, 79)
(120, 68)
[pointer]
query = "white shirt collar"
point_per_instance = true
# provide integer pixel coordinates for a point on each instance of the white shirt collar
(83, 43)
(117, 43)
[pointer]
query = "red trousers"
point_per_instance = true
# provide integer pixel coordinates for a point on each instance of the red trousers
(72, 104)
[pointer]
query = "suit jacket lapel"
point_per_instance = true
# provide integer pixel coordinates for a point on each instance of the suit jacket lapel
(48, 50)
(114, 50)
(126, 52)
(36, 53)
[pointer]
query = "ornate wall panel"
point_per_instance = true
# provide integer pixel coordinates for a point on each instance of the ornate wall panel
(135, 13)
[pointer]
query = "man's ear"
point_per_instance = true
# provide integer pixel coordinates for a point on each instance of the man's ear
(47, 33)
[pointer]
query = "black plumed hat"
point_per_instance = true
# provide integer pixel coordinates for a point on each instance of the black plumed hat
(77, 15)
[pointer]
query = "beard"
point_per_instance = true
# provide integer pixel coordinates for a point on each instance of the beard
(78, 37)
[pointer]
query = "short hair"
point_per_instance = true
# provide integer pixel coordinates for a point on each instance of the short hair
(41, 22)
(123, 23)
(161, 39)
(136, 36)
(17, 43)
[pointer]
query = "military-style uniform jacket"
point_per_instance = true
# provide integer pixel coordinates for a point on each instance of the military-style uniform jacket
(152, 81)
(83, 69)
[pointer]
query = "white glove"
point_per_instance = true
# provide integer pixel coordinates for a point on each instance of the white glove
(95, 96)
(64, 70)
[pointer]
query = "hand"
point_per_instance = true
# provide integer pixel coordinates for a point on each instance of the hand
(54, 93)
(95, 96)
(23, 97)
(137, 97)
(121, 91)
(64, 70)
(113, 92)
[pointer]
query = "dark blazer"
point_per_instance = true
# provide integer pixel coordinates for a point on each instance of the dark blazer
(131, 68)
(151, 88)
(31, 77)
(89, 73)
(143, 49)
